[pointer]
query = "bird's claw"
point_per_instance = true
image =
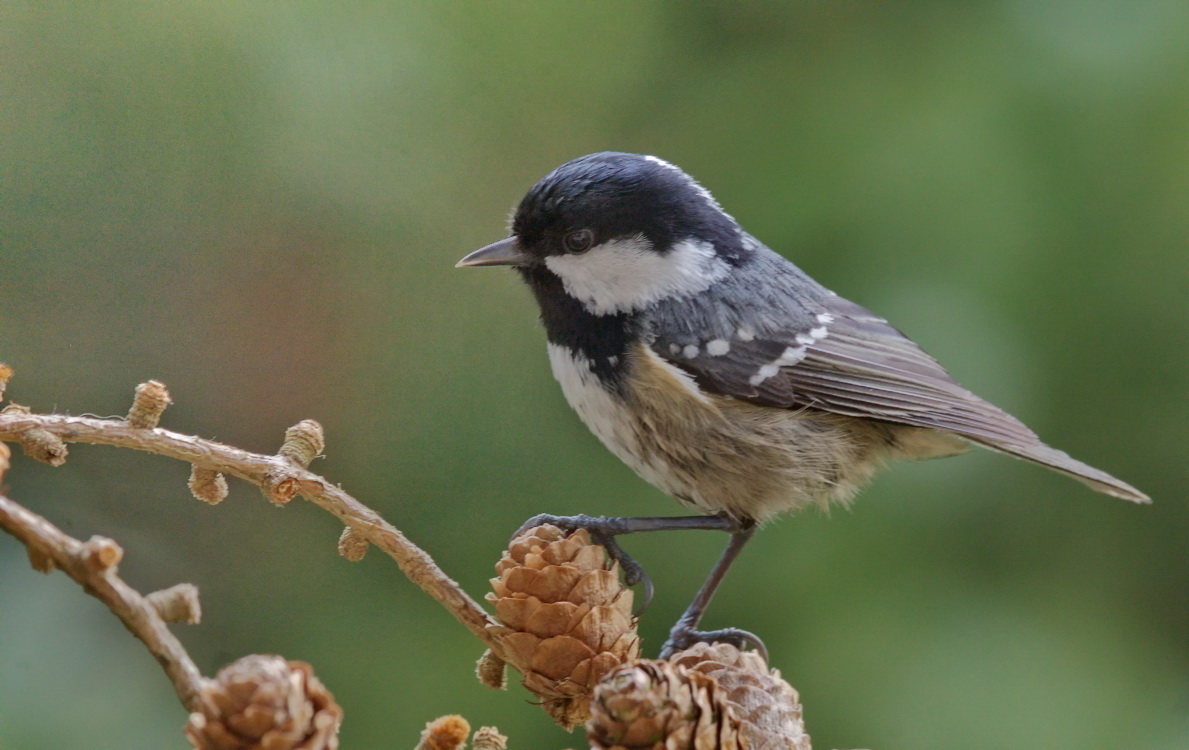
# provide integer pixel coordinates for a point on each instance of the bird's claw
(565, 523)
(603, 531)
(633, 571)
(681, 637)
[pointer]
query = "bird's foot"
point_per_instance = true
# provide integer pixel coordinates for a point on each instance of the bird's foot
(602, 530)
(682, 637)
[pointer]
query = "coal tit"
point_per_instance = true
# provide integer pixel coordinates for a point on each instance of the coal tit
(718, 370)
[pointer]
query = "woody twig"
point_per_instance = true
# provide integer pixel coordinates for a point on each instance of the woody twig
(93, 565)
(281, 477)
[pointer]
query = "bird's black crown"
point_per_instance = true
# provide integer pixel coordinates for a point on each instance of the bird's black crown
(618, 195)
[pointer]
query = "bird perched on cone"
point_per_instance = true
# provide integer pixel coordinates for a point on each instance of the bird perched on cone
(719, 371)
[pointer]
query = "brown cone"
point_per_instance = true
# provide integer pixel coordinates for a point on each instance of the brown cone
(708, 697)
(656, 705)
(769, 707)
(265, 703)
(567, 618)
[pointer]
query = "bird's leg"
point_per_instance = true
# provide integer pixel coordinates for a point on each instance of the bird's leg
(685, 633)
(604, 529)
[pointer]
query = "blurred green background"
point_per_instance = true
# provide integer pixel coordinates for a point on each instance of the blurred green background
(261, 205)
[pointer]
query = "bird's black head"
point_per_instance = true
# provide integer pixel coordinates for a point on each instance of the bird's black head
(615, 196)
(618, 232)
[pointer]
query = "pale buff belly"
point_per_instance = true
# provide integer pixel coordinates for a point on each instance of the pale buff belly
(718, 454)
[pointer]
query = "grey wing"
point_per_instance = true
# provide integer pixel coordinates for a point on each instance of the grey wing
(843, 359)
(865, 367)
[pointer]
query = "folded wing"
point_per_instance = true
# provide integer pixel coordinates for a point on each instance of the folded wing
(849, 361)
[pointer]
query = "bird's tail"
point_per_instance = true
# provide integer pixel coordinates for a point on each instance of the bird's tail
(1061, 461)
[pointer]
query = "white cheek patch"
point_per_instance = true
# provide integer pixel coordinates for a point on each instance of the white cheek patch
(625, 275)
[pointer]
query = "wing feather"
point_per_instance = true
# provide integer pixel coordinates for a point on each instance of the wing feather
(864, 367)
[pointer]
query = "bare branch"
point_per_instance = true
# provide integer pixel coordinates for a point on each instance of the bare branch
(281, 478)
(38, 444)
(93, 565)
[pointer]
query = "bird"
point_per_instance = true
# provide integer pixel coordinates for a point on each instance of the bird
(719, 371)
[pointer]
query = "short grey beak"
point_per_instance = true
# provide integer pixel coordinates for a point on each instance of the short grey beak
(506, 252)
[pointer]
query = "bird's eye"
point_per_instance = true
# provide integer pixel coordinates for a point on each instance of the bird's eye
(578, 241)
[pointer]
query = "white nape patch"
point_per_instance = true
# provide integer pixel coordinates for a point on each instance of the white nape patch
(745, 334)
(718, 347)
(690, 351)
(625, 275)
(790, 356)
(703, 192)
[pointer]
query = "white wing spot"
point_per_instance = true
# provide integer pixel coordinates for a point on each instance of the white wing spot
(790, 356)
(745, 334)
(825, 318)
(690, 351)
(765, 372)
(818, 333)
(718, 347)
(805, 339)
(674, 349)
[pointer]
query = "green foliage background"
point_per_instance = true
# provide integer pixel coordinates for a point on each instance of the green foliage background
(261, 204)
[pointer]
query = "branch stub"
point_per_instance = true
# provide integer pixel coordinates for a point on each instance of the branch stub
(207, 485)
(178, 603)
(148, 405)
(352, 545)
(304, 442)
(102, 554)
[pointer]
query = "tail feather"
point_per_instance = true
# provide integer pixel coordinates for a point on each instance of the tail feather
(1061, 461)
